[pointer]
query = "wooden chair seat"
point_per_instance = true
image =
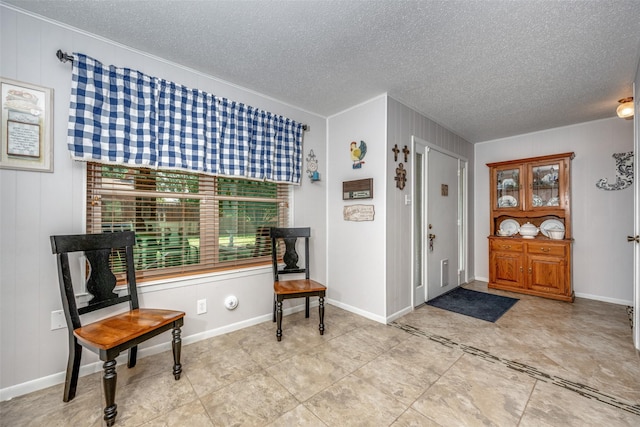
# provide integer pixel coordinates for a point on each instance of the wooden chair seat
(125, 327)
(297, 286)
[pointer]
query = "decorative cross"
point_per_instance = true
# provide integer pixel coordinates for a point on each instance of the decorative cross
(405, 150)
(395, 150)
(401, 176)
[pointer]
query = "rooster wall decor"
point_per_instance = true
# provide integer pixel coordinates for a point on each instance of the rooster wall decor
(358, 153)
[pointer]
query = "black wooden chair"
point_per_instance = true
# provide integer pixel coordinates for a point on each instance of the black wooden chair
(295, 288)
(110, 336)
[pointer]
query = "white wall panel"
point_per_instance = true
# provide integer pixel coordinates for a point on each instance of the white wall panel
(356, 263)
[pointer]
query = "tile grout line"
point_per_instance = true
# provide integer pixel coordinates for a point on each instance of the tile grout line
(526, 404)
(581, 389)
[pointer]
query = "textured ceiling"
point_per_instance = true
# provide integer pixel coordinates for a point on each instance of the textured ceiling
(483, 69)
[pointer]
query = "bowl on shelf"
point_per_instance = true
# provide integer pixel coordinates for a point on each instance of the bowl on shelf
(555, 233)
(528, 231)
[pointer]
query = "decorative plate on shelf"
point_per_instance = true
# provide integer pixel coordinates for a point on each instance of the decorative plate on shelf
(509, 227)
(551, 223)
(507, 202)
(537, 201)
(554, 201)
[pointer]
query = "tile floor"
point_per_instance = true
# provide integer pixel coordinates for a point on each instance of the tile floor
(544, 363)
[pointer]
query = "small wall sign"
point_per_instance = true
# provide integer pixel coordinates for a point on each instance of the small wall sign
(358, 213)
(444, 190)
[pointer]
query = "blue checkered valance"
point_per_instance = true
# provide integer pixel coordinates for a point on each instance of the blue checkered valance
(121, 116)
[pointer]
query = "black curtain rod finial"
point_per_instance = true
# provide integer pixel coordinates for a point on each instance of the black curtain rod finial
(63, 56)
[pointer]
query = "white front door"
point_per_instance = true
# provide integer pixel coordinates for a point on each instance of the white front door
(438, 264)
(442, 230)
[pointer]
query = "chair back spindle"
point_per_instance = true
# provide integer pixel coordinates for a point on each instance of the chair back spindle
(101, 283)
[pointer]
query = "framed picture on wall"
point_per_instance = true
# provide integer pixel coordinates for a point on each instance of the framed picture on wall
(27, 126)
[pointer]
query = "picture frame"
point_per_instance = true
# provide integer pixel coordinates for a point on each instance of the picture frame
(27, 126)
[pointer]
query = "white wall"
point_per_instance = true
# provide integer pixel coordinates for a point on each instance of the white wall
(404, 122)
(356, 250)
(602, 258)
(35, 205)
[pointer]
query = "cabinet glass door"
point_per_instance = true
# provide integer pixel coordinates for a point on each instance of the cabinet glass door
(508, 188)
(545, 185)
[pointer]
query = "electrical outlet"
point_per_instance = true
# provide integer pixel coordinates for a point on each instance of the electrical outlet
(202, 306)
(57, 320)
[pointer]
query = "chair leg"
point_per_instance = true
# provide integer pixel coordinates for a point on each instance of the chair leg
(274, 308)
(321, 313)
(73, 369)
(109, 385)
(306, 307)
(176, 346)
(279, 320)
(133, 356)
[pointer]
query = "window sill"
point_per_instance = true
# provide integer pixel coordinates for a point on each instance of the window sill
(198, 279)
(185, 281)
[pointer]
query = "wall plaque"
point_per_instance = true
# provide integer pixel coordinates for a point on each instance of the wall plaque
(358, 213)
(358, 189)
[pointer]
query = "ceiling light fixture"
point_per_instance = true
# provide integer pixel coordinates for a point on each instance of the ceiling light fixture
(625, 109)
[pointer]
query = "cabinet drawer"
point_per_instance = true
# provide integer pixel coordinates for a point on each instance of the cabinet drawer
(546, 249)
(506, 245)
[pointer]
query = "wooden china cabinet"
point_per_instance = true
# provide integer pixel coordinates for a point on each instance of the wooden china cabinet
(535, 190)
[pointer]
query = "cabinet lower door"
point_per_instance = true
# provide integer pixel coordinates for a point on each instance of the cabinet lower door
(547, 274)
(507, 269)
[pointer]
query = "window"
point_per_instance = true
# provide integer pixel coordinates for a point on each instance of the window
(185, 223)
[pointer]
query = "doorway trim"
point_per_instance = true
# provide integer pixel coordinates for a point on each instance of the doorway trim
(636, 225)
(463, 241)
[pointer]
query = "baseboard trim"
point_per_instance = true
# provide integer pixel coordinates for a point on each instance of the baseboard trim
(355, 310)
(399, 314)
(605, 299)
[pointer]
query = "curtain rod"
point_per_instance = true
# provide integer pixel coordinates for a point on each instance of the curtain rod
(65, 57)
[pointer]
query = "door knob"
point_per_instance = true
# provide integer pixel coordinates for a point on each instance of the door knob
(633, 239)
(432, 236)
